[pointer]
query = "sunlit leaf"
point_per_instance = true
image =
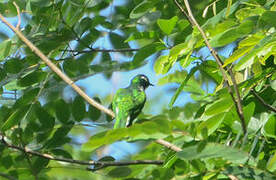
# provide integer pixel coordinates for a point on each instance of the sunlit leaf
(167, 25)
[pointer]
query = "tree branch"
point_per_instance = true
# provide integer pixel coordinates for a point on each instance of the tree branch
(70, 82)
(261, 100)
(237, 101)
(55, 68)
(100, 50)
(102, 164)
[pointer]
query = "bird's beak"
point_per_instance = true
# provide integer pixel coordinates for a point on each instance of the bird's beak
(151, 84)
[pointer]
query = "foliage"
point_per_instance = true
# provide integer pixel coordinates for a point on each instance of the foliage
(36, 113)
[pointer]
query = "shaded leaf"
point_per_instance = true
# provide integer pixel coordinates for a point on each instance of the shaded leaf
(78, 108)
(5, 47)
(213, 150)
(120, 172)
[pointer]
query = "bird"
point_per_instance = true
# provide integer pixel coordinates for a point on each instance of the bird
(129, 102)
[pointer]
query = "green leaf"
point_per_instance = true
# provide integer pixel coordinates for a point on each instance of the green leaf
(39, 164)
(213, 150)
(13, 66)
(162, 65)
(32, 78)
(93, 112)
(60, 137)
(219, 106)
(237, 54)
(46, 120)
(61, 153)
(184, 83)
(146, 51)
(14, 118)
(248, 111)
(176, 77)
(143, 131)
(167, 25)
(118, 41)
(211, 124)
(78, 108)
(5, 48)
(142, 35)
(141, 9)
(62, 111)
(27, 98)
(119, 172)
(245, 172)
(270, 127)
(261, 50)
(271, 164)
(267, 19)
(232, 34)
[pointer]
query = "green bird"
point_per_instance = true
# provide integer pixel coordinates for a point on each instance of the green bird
(129, 102)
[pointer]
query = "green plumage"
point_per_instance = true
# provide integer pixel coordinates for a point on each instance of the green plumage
(129, 102)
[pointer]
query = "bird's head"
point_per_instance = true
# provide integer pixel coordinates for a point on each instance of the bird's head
(141, 81)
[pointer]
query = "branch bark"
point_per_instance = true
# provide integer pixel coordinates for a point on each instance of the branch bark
(261, 100)
(100, 50)
(102, 164)
(237, 101)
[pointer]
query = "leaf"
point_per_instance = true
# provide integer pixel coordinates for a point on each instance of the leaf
(229, 4)
(118, 41)
(39, 164)
(119, 172)
(167, 25)
(142, 35)
(268, 18)
(219, 106)
(143, 131)
(184, 83)
(262, 48)
(14, 118)
(5, 47)
(62, 111)
(146, 51)
(213, 150)
(61, 153)
(176, 77)
(46, 120)
(270, 127)
(162, 65)
(26, 98)
(271, 164)
(32, 78)
(232, 34)
(245, 172)
(59, 138)
(13, 66)
(237, 54)
(93, 112)
(78, 108)
(248, 112)
(211, 124)
(141, 9)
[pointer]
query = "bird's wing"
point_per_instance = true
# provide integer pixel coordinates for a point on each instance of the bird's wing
(122, 104)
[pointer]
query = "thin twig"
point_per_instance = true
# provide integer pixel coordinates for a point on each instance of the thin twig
(70, 82)
(237, 101)
(100, 50)
(268, 106)
(7, 176)
(18, 15)
(168, 145)
(73, 161)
